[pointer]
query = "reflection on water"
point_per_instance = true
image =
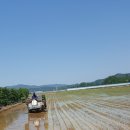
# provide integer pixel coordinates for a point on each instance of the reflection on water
(17, 118)
(9, 117)
(37, 121)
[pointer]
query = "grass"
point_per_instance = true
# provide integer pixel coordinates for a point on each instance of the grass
(111, 91)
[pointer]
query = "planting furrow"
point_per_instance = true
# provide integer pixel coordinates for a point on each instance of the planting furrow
(56, 122)
(61, 121)
(76, 124)
(103, 116)
(80, 118)
(95, 119)
(91, 122)
(67, 120)
(121, 115)
(50, 120)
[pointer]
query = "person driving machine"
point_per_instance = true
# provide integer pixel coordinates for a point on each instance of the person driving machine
(34, 96)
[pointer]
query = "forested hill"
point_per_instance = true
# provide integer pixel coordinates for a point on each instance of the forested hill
(114, 79)
(118, 78)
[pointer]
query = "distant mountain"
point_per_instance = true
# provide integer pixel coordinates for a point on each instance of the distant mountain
(22, 86)
(114, 79)
(48, 87)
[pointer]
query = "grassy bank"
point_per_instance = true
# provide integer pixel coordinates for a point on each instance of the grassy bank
(9, 107)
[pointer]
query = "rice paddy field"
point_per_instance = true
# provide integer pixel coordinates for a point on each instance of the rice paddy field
(90, 109)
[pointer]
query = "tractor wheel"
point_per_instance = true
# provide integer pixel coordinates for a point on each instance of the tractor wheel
(42, 108)
(29, 111)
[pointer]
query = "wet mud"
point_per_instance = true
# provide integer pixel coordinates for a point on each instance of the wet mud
(18, 118)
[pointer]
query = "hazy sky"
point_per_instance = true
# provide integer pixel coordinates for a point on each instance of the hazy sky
(63, 41)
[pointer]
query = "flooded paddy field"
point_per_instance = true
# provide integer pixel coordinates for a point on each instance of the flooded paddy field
(18, 118)
(92, 109)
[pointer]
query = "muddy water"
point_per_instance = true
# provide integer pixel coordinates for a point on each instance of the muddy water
(18, 118)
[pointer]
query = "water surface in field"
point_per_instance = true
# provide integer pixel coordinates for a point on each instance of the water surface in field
(18, 118)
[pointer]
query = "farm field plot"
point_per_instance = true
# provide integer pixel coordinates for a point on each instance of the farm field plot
(92, 109)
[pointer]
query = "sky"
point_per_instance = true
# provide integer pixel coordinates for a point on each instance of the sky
(63, 41)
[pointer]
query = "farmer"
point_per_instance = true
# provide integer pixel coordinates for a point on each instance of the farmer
(34, 96)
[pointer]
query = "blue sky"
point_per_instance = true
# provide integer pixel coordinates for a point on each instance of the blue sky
(69, 41)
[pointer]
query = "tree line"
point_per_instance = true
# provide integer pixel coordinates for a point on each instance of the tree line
(115, 79)
(10, 95)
